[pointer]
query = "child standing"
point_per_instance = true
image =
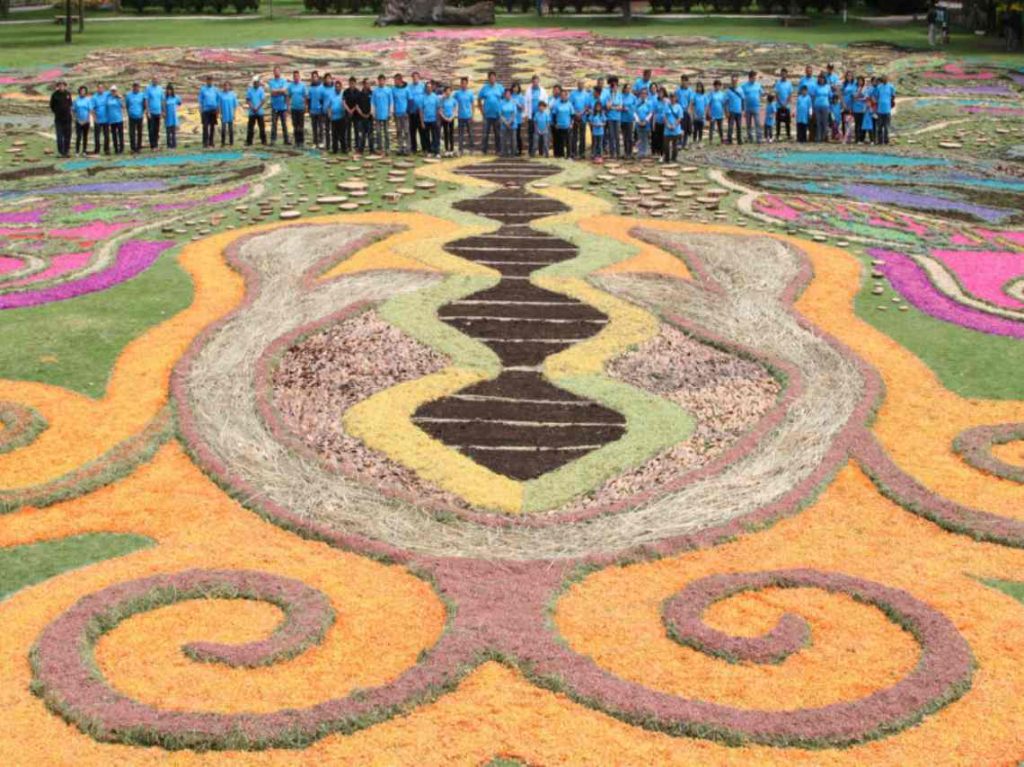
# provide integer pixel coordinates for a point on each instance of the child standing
(542, 129)
(171, 104)
(803, 114)
(228, 103)
(771, 109)
(597, 123)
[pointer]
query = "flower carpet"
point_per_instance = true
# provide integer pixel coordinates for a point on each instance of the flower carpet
(311, 460)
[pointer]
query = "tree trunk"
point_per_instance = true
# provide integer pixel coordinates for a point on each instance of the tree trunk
(81, 16)
(67, 21)
(627, 10)
(434, 12)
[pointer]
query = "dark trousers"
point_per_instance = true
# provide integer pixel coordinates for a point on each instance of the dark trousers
(282, 116)
(318, 129)
(491, 124)
(104, 130)
(735, 120)
(627, 139)
(81, 137)
(364, 133)
(153, 121)
(658, 138)
(117, 137)
(172, 136)
(448, 130)
(414, 131)
(432, 131)
(561, 142)
(299, 126)
(135, 133)
(209, 117)
(783, 116)
(882, 128)
(858, 127)
(687, 128)
(339, 136)
(62, 130)
(698, 130)
(577, 139)
(670, 150)
(801, 133)
(227, 133)
(255, 120)
(716, 122)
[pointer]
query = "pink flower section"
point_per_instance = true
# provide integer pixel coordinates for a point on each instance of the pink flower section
(84, 207)
(9, 264)
(59, 265)
(984, 273)
(774, 206)
(97, 230)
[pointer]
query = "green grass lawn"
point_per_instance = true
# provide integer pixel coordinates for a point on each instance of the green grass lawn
(42, 44)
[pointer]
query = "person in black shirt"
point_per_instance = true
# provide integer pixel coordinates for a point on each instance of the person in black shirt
(364, 123)
(351, 97)
(60, 105)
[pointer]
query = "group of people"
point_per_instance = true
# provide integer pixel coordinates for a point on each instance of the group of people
(613, 118)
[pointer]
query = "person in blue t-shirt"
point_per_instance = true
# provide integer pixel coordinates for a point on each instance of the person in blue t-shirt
(400, 109)
(582, 101)
(784, 104)
(771, 109)
(612, 101)
(489, 98)
(278, 88)
(699, 106)
(752, 106)
(416, 91)
(82, 108)
(135, 100)
(382, 106)
(848, 90)
(885, 100)
(227, 103)
(673, 128)
(658, 100)
(643, 83)
(684, 97)
(803, 114)
(597, 121)
(449, 108)
(716, 112)
(255, 102)
(334, 109)
(542, 129)
(298, 102)
(429, 116)
(171, 104)
(821, 97)
(507, 117)
(734, 111)
(520, 100)
(316, 108)
(464, 97)
(99, 112)
(115, 119)
(209, 101)
(154, 111)
(642, 116)
(626, 127)
(835, 110)
(562, 116)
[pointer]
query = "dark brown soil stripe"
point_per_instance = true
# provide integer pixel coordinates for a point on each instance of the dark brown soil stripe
(522, 310)
(520, 384)
(581, 412)
(524, 291)
(525, 330)
(524, 465)
(525, 354)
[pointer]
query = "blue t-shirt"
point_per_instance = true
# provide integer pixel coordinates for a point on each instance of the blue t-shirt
(400, 100)
(641, 85)
(464, 98)
(642, 114)
(803, 109)
(508, 110)
(769, 113)
(228, 105)
(629, 102)
(254, 97)
(822, 95)
(783, 91)
(674, 120)
(541, 121)
(752, 96)
(99, 107)
(83, 107)
(490, 96)
(700, 106)
(297, 93)
(155, 99)
(597, 123)
(807, 81)
(115, 110)
(136, 103)
(614, 107)
(684, 96)
(209, 97)
(579, 99)
(278, 102)
(563, 112)
(448, 107)
(519, 100)
(381, 101)
(416, 91)
(735, 100)
(717, 100)
(868, 122)
(334, 103)
(848, 93)
(172, 102)
(429, 108)
(316, 99)
(658, 110)
(884, 94)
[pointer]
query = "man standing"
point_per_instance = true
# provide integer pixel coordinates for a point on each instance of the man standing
(734, 107)
(784, 101)
(400, 104)
(489, 98)
(209, 100)
(382, 106)
(684, 97)
(752, 106)
(535, 94)
(562, 117)
(60, 105)
(316, 108)
(115, 119)
(154, 110)
(613, 119)
(255, 100)
(228, 103)
(416, 89)
(629, 102)
(364, 118)
(136, 101)
(298, 98)
(581, 102)
(464, 98)
(99, 110)
(350, 120)
(278, 106)
(885, 100)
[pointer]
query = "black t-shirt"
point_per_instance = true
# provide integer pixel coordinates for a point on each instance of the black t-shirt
(364, 102)
(351, 97)
(60, 105)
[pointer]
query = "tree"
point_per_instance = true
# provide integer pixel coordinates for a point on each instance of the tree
(434, 12)
(67, 21)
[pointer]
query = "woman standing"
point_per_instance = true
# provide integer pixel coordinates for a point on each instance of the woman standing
(115, 119)
(520, 98)
(83, 111)
(171, 104)
(507, 116)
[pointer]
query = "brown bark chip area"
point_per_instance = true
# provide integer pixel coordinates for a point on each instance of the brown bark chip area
(726, 394)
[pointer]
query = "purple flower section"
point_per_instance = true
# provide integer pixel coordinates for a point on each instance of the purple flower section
(22, 217)
(133, 258)
(228, 196)
(112, 186)
(884, 194)
(911, 281)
